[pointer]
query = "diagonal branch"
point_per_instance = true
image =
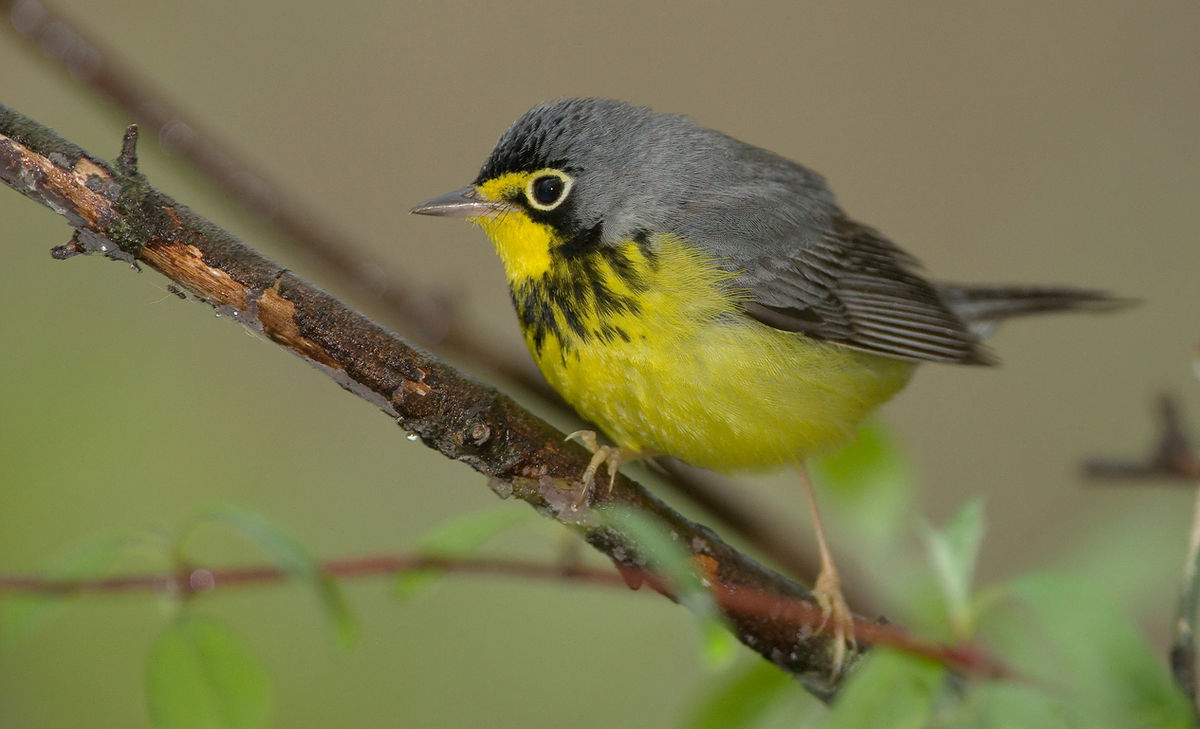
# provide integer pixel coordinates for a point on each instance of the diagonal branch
(114, 211)
(425, 312)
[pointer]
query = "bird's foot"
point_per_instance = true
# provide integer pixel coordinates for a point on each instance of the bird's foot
(602, 455)
(836, 618)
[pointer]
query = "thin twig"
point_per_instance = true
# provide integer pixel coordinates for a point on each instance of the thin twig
(204, 579)
(425, 314)
(1183, 645)
(1172, 458)
(966, 659)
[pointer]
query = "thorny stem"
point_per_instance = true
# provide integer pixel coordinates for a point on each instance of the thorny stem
(427, 314)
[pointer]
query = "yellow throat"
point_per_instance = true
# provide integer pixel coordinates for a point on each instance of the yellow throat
(646, 338)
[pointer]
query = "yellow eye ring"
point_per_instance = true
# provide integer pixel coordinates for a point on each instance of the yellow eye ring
(546, 189)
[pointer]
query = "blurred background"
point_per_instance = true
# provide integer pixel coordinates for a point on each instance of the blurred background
(1002, 142)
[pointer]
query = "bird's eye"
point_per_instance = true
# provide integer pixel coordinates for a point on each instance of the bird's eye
(547, 191)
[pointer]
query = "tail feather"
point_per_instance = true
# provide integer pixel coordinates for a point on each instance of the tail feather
(992, 303)
(983, 307)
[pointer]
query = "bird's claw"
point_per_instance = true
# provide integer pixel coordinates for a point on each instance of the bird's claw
(609, 456)
(836, 618)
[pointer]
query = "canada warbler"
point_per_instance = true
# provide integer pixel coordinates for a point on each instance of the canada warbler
(699, 297)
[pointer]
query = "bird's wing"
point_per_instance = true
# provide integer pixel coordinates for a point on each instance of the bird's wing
(849, 285)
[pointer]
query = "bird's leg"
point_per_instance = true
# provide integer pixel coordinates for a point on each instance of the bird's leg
(828, 588)
(610, 456)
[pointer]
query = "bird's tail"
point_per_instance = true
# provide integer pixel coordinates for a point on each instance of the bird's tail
(983, 307)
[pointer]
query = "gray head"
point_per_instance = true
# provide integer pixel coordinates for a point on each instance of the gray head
(614, 171)
(623, 161)
(633, 169)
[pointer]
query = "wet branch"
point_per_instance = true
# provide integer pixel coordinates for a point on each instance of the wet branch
(115, 211)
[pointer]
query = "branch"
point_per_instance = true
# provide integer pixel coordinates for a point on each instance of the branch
(1182, 655)
(116, 212)
(426, 313)
(1173, 458)
(802, 615)
(194, 580)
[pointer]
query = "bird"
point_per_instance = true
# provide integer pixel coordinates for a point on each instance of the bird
(696, 296)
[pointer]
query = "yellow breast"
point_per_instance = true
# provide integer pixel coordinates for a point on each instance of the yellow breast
(647, 341)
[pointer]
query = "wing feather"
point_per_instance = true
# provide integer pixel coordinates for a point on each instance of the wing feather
(854, 287)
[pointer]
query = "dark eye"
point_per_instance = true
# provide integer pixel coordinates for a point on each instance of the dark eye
(548, 189)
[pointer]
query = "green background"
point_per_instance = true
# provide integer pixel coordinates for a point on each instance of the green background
(1001, 142)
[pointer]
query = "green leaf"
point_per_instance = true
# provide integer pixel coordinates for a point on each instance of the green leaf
(1101, 553)
(663, 555)
(411, 583)
(871, 479)
(996, 704)
(1079, 641)
(954, 552)
(464, 534)
(200, 675)
(743, 700)
(720, 647)
(290, 555)
(93, 559)
(890, 690)
(668, 559)
(280, 546)
(457, 537)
